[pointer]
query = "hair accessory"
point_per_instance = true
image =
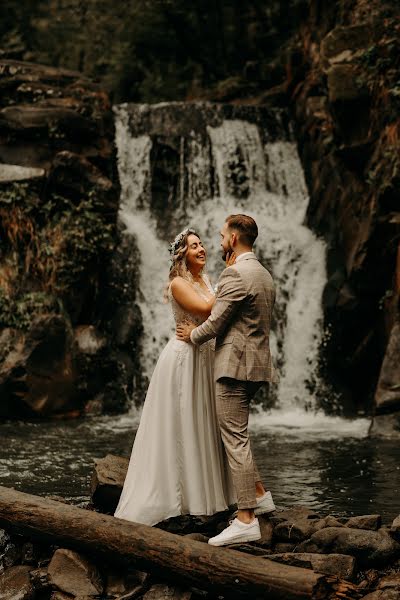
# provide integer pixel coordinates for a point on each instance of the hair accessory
(174, 245)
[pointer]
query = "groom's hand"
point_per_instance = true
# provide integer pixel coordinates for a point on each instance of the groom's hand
(230, 259)
(184, 330)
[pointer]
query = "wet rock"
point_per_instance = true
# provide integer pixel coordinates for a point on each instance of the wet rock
(40, 118)
(370, 548)
(267, 532)
(383, 595)
(344, 84)
(11, 554)
(296, 512)
(107, 482)
(73, 573)
(386, 425)
(331, 521)
(390, 582)
(29, 553)
(37, 374)
(297, 530)
(15, 584)
(162, 591)
(126, 585)
(338, 565)
(75, 176)
(39, 579)
(340, 144)
(88, 339)
(4, 539)
(395, 528)
(344, 44)
(9, 173)
(387, 395)
(371, 522)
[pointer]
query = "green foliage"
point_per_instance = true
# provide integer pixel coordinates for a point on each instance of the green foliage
(51, 244)
(87, 240)
(19, 312)
(14, 193)
(154, 49)
(370, 56)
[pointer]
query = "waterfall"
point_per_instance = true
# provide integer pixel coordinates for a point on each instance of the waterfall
(231, 165)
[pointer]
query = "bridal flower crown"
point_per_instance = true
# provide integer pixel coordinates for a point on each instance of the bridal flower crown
(174, 245)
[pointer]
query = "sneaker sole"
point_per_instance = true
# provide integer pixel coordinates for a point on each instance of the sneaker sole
(248, 538)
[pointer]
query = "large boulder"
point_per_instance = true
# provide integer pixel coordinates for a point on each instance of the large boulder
(297, 530)
(337, 565)
(345, 107)
(296, 524)
(36, 369)
(74, 574)
(107, 482)
(343, 84)
(372, 522)
(344, 44)
(370, 548)
(11, 173)
(387, 395)
(395, 528)
(75, 176)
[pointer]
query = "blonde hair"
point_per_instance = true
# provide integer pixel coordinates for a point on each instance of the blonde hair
(178, 249)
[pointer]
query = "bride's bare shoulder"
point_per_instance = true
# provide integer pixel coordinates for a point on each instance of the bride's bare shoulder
(179, 287)
(179, 282)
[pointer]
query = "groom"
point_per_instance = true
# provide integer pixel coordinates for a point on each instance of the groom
(240, 321)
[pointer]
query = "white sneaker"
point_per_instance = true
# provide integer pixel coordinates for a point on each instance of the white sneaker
(237, 533)
(265, 504)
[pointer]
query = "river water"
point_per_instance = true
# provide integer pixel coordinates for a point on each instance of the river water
(328, 464)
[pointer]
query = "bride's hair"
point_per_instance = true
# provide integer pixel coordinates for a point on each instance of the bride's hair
(178, 249)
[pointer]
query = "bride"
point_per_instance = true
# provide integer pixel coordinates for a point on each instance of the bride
(178, 464)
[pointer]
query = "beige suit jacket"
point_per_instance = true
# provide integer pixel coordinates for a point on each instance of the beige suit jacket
(240, 321)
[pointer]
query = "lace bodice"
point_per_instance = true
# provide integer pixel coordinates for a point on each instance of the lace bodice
(179, 313)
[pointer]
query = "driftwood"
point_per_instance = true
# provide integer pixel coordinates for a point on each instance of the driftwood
(148, 549)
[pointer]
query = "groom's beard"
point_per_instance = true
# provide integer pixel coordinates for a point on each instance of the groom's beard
(225, 252)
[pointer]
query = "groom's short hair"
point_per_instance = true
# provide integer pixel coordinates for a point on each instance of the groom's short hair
(245, 226)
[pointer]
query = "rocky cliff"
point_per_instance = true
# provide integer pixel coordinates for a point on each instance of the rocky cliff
(343, 85)
(60, 350)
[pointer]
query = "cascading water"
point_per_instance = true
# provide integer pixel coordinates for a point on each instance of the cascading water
(231, 167)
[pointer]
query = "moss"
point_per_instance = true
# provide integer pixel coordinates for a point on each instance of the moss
(19, 312)
(51, 245)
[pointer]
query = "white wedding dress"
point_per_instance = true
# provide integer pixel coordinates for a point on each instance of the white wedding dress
(178, 464)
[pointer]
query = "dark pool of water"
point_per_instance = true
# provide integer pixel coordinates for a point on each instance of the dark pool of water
(327, 464)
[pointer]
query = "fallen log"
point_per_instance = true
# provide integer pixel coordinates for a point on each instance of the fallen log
(147, 548)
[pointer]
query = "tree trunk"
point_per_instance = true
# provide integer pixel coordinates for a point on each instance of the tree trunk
(147, 548)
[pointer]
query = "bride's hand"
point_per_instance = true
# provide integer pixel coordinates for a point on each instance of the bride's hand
(230, 259)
